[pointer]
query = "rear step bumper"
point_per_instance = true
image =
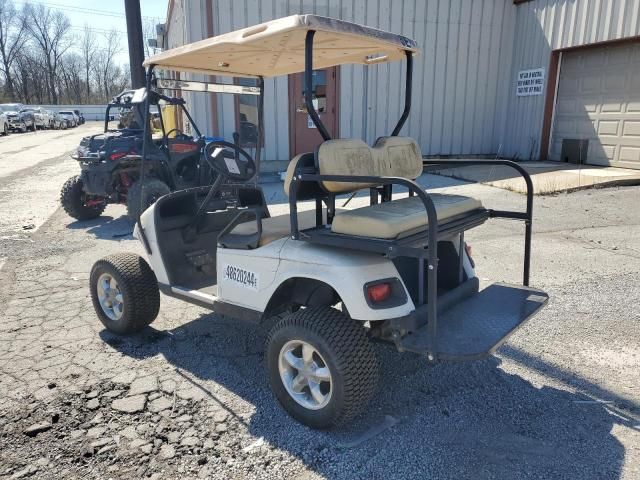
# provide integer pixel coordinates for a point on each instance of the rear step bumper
(476, 326)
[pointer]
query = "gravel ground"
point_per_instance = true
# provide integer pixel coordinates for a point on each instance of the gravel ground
(188, 397)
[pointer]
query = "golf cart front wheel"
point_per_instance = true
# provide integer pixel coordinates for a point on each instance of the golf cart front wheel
(321, 366)
(141, 196)
(125, 293)
(77, 204)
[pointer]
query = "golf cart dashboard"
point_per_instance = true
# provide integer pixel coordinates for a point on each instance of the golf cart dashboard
(178, 208)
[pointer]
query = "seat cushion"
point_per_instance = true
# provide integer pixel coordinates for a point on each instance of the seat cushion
(399, 218)
(274, 228)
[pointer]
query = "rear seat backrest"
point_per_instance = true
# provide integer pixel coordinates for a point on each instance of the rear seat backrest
(389, 157)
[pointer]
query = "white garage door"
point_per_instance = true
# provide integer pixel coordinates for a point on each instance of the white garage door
(599, 100)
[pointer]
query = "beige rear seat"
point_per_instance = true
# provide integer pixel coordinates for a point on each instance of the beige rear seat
(401, 217)
(390, 156)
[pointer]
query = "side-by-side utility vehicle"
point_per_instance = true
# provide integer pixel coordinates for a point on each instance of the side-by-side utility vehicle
(110, 162)
(396, 270)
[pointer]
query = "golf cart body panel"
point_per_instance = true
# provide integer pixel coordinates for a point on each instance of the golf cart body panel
(397, 270)
(284, 260)
(250, 278)
(151, 241)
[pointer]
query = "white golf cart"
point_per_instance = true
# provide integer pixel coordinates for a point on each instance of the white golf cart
(396, 270)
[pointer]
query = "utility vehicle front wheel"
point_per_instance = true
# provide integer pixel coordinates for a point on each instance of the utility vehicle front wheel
(5, 130)
(125, 293)
(151, 191)
(321, 366)
(78, 204)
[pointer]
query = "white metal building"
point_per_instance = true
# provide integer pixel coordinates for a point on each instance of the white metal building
(527, 79)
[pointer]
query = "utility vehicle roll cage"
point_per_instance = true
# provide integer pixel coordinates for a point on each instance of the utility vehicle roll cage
(134, 99)
(423, 245)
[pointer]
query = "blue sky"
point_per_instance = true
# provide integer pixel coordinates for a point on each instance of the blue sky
(104, 16)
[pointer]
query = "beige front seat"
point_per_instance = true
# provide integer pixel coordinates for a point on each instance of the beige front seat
(274, 228)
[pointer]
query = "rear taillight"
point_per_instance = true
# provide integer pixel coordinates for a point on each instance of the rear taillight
(379, 292)
(118, 155)
(183, 147)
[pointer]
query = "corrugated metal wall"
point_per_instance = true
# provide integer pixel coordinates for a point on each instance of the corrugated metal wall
(464, 80)
(546, 25)
(459, 97)
(194, 27)
(231, 15)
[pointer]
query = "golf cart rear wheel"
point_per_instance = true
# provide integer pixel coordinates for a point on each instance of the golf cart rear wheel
(125, 293)
(152, 190)
(74, 201)
(321, 366)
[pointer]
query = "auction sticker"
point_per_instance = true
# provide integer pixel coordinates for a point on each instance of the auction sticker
(241, 277)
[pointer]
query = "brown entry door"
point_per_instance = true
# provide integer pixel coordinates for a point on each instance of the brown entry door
(304, 134)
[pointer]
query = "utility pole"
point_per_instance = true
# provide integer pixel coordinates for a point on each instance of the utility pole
(135, 41)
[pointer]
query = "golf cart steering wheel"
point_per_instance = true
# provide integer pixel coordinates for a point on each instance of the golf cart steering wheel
(230, 161)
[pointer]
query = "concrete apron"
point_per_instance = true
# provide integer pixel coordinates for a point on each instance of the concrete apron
(547, 177)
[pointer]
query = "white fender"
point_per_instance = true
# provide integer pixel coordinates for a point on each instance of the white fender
(255, 275)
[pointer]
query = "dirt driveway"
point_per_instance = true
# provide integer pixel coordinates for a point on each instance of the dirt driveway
(188, 397)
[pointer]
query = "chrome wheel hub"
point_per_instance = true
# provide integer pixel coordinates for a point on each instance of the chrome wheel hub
(110, 297)
(305, 375)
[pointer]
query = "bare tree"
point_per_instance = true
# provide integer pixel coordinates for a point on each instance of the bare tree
(12, 39)
(88, 49)
(105, 70)
(70, 78)
(49, 31)
(42, 62)
(30, 84)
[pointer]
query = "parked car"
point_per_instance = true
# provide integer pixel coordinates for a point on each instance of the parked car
(4, 123)
(46, 117)
(20, 118)
(51, 115)
(80, 117)
(40, 117)
(57, 122)
(70, 117)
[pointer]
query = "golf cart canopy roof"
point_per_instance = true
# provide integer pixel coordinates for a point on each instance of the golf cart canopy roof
(277, 48)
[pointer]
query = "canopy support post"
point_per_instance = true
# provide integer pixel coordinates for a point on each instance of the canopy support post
(407, 95)
(308, 85)
(146, 138)
(260, 128)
